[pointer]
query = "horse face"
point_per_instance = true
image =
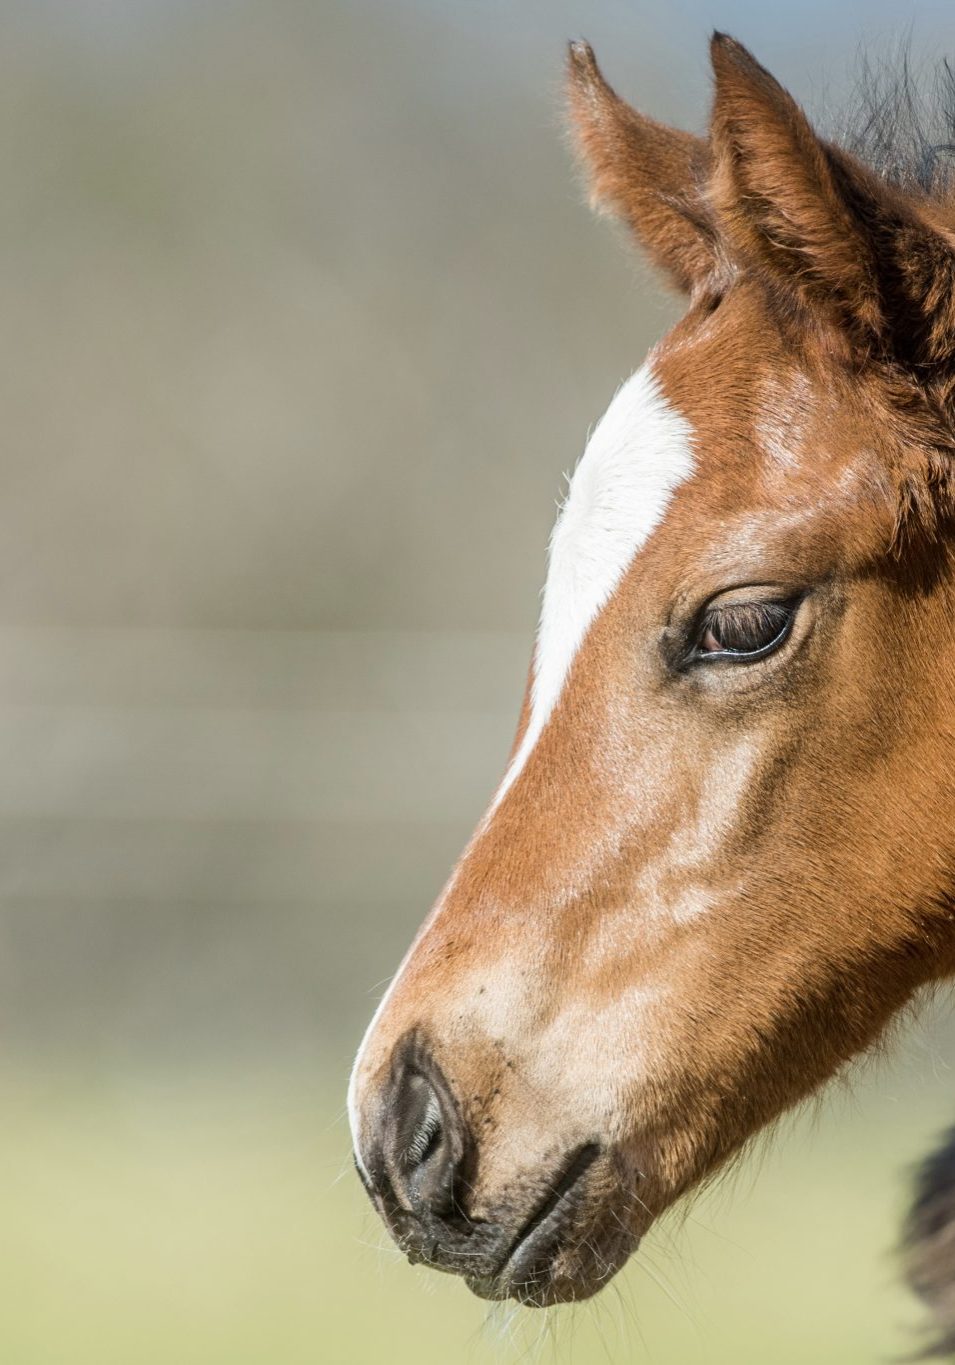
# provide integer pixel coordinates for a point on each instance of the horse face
(702, 884)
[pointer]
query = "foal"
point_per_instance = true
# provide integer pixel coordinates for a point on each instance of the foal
(722, 854)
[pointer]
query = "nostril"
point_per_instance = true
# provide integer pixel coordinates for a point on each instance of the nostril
(427, 1138)
(421, 1153)
(424, 1140)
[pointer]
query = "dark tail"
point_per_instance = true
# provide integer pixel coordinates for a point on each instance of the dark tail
(929, 1245)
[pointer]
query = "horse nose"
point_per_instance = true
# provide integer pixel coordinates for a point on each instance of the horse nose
(424, 1141)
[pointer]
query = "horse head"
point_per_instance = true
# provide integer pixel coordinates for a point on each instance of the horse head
(720, 858)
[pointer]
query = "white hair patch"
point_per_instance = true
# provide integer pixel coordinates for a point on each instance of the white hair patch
(639, 454)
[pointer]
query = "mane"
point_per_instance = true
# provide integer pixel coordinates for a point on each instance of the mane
(929, 1244)
(900, 121)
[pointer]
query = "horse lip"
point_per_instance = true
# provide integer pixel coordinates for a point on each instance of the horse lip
(523, 1270)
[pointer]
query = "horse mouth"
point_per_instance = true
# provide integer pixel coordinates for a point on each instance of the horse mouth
(528, 1271)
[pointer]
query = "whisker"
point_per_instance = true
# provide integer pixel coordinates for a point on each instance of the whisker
(660, 1281)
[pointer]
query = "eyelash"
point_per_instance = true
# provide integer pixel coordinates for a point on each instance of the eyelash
(766, 624)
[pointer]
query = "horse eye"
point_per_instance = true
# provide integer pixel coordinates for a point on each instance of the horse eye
(744, 630)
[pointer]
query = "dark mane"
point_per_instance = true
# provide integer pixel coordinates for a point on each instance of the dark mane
(929, 1243)
(901, 122)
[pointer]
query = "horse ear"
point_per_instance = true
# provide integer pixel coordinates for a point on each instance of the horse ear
(820, 226)
(644, 173)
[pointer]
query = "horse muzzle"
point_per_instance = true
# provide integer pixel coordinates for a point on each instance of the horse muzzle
(552, 1237)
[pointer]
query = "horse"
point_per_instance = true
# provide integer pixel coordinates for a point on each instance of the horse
(722, 854)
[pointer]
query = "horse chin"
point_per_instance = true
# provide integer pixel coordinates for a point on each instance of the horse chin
(568, 1248)
(568, 1278)
(546, 1294)
(542, 1277)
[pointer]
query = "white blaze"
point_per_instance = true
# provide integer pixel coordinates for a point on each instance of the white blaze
(639, 453)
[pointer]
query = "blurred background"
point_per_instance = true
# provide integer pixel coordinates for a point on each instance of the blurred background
(301, 319)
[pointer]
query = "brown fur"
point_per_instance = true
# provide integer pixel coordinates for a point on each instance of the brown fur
(567, 982)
